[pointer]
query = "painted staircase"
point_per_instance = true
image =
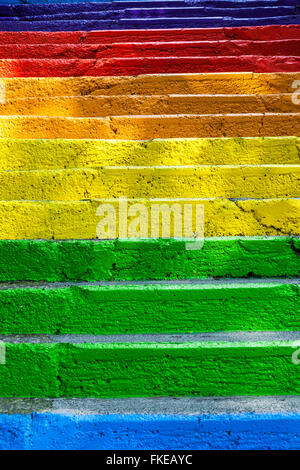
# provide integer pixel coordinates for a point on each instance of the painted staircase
(143, 344)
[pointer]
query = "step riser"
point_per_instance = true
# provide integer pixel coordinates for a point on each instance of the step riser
(189, 11)
(125, 105)
(148, 23)
(88, 260)
(162, 49)
(222, 83)
(149, 309)
(149, 369)
(255, 33)
(78, 7)
(78, 219)
(58, 431)
(144, 65)
(150, 182)
(149, 127)
(31, 154)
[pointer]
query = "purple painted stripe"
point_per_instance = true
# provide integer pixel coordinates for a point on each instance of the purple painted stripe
(161, 10)
(153, 23)
(164, 13)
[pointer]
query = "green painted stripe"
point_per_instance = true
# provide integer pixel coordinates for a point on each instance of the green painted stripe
(156, 308)
(91, 260)
(149, 369)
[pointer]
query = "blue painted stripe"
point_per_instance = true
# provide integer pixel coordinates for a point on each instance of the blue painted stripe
(51, 431)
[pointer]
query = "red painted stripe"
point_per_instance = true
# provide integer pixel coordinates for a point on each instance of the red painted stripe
(150, 65)
(150, 49)
(258, 33)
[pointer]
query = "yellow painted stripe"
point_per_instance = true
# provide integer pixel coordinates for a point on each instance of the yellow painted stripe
(211, 83)
(150, 127)
(257, 181)
(78, 220)
(32, 154)
(122, 105)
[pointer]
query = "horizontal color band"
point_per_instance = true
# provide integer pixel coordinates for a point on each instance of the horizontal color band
(254, 33)
(168, 308)
(151, 127)
(145, 65)
(54, 369)
(211, 83)
(89, 260)
(151, 49)
(152, 10)
(156, 11)
(59, 430)
(32, 154)
(147, 23)
(78, 220)
(101, 106)
(257, 181)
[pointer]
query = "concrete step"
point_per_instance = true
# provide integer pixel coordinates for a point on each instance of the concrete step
(150, 365)
(79, 220)
(158, 423)
(196, 181)
(162, 84)
(151, 49)
(148, 23)
(145, 65)
(148, 307)
(68, 7)
(36, 154)
(124, 105)
(154, 11)
(94, 260)
(255, 33)
(152, 126)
